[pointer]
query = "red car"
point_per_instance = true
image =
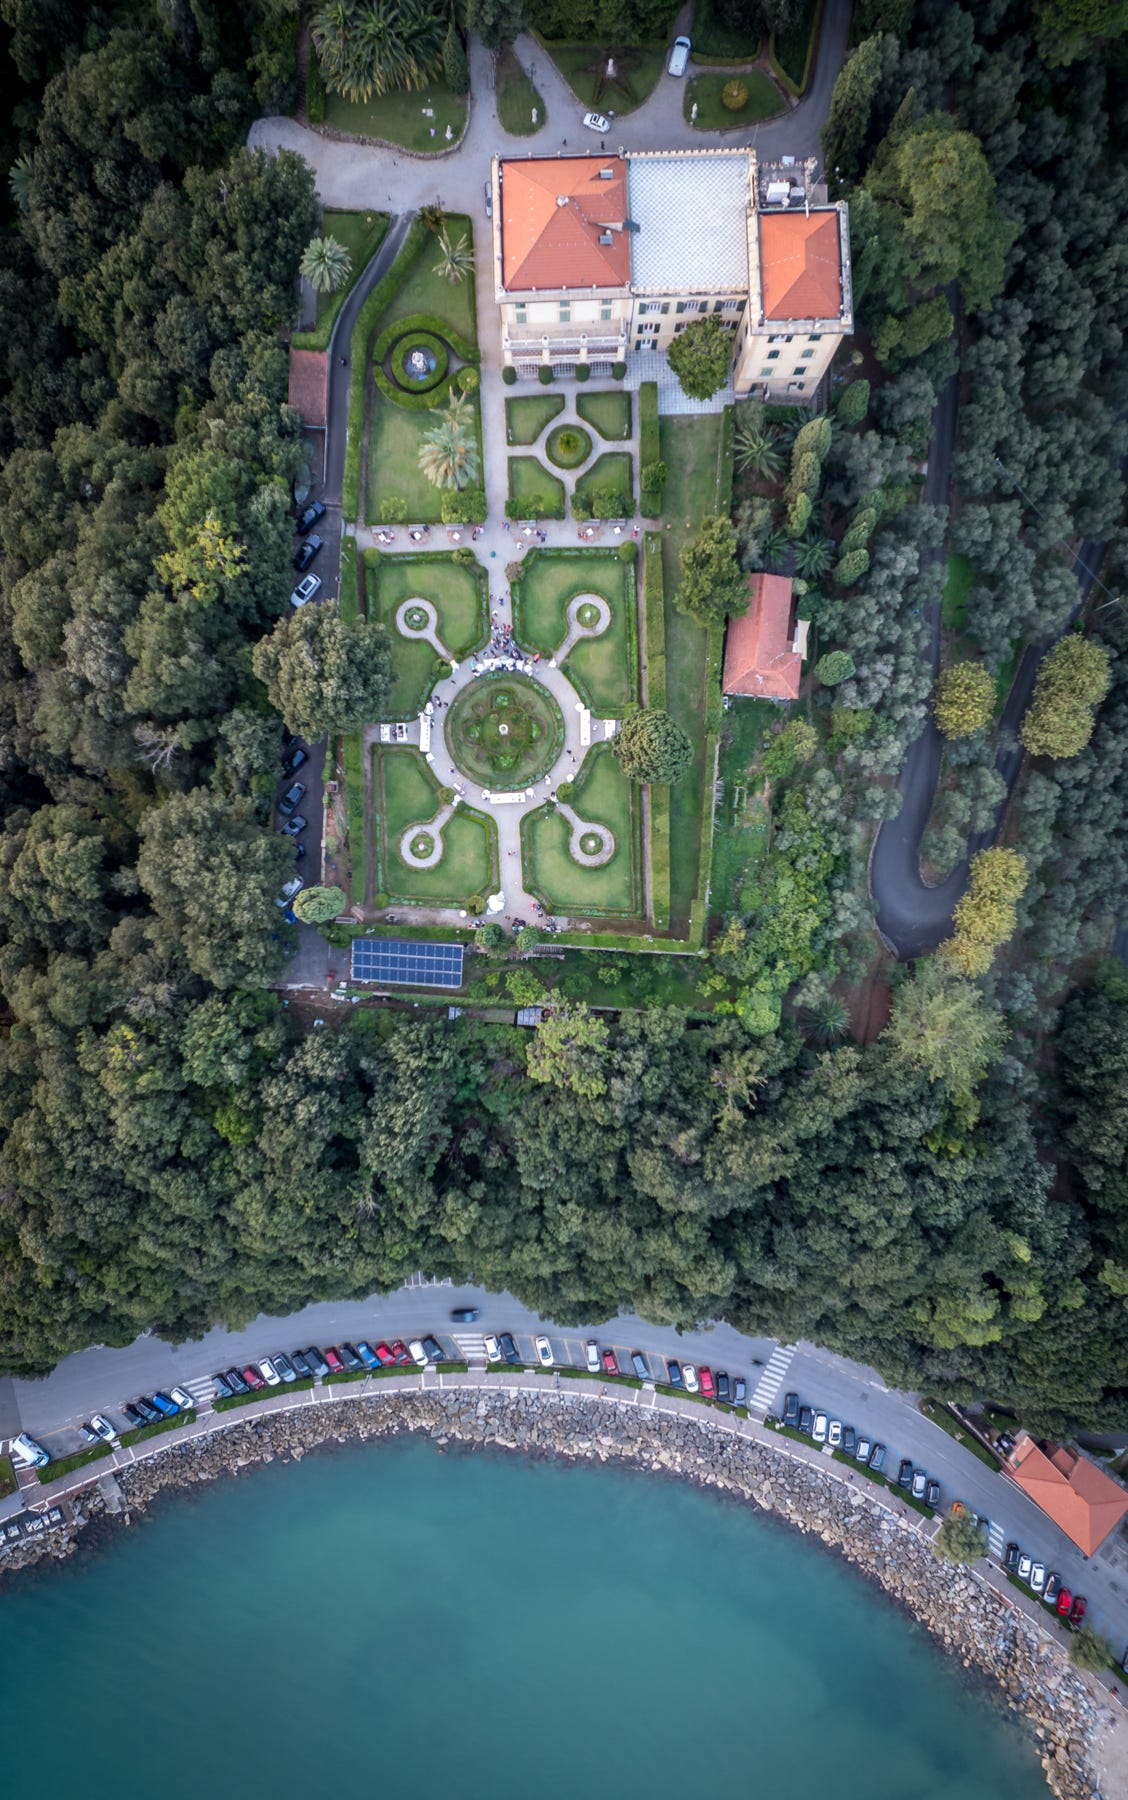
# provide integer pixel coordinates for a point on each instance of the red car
(333, 1358)
(1064, 1602)
(1080, 1608)
(252, 1377)
(705, 1376)
(609, 1363)
(400, 1352)
(384, 1355)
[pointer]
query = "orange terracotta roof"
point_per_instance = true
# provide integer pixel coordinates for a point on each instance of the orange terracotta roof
(800, 265)
(1080, 1498)
(553, 212)
(309, 385)
(759, 659)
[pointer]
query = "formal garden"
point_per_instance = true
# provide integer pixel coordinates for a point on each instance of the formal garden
(505, 731)
(602, 668)
(457, 591)
(602, 795)
(406, 798)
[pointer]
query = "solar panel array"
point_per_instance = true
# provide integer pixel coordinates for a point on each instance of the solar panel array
(406, 962)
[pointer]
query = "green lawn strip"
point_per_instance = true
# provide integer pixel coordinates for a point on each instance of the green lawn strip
(361, 234)
(715, 41)
(450, 1368)
(8, 1482)
(592, 1375)
(604, 796)
(959, 579)
(580, 65)
(397, 487)
(365, 329)
(649, 450)
(613, 472)
(604, 669)
(939, 1414)
(352, 762)
(516, 97)
(459, 593)
(66, 1465)
(526, 418)
(608, 411)
(742, 817)
(655, 616)
(348, 603)
(682, 1393)
(151, 1431)
(852, 1462)
(406, 794)
(398, 117)
(346, 1375)
(535, 492)
(228, 1403)
(791, 52)
(764, 100)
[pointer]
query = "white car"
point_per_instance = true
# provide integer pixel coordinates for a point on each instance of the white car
(1038, 1577)
(544, 1351)
(596, 122)
(862, 1453)
(293, 886)
(1024, 1566)
(591, 1354)
(418, 1354)
(105, 1430)
(269, 1373)
(28, 1454)
(183, 1399)
(820, 1429)
(679, 56)
(307, 587)
(493, 1349)
(834, 1434)
(692, 1384)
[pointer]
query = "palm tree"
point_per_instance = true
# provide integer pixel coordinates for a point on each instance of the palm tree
(774, 548)
(325, 264)
(828, 1019)
(368, 47)
(432, 217)
(448, 455)
(20, 177)
(757, 449)
(813, 556)
(456, 261)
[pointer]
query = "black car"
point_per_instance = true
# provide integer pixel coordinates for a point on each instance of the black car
(932, 1494)
(849, 1440)
(223, 1388)
(1010, 1558)
(150, 1413)
(673, 1374)
(133, 1415)
(236, 1382)
(465, 1315)
(791, 1409)
(290, 799)
(285, 1367)
(877, 1458)
(310, 516)
(295, 760)
(90, 1436)
(434, 1349)
(508, 1347)
(299, 1362)
(307, 552)
(739, 1391)
(350, 1358)
(905, 1473)
(722, 1381)
(806, 1419)
(317, 1363)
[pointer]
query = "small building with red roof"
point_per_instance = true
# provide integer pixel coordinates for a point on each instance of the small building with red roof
(765, 646)
(1079, 1497)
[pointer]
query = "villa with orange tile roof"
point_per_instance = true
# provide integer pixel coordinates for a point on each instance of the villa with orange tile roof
(764, 647)
(1081, 1499)
(606, 258)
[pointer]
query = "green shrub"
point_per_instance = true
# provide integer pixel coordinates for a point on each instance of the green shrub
(581, 505)
(465, 508)
(440, 668)
(654, 474)
(628, 551)
(464, 555)
(565, 790)
(392, 509)
(851, 567)
(545, 375)
(618, 371)
(733, 95)
(315, 93)
(835, 666)
(509, 375)
(446, 795)
(468, 379)
(583, 372)
(853, 402)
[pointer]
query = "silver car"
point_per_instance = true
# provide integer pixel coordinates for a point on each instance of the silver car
(834, 1434)
(679, 56)
(821, 1426)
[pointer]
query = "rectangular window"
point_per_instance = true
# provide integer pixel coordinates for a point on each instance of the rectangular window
(565, 312)
(654, 328)
(653, 306)
(766, 372)
(777, 340)
(605, 309)
(522, 316)
(678, 328)
(804, 354)
(773, 355)
(815, 337)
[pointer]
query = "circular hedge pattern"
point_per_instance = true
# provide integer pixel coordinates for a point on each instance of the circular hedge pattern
(587, 615)
(415, 618)
(591, 843)
(422, 844)
(434, 362)
(568, 446)
(505, 731)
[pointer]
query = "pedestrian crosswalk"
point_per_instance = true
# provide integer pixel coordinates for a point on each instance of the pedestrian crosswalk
(202, 1392)
(995, 1540)
(771, 1380)
(471, 1346)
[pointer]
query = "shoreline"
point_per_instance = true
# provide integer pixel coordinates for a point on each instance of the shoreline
(962, 1614)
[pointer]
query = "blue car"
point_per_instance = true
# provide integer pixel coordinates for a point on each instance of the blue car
(367, 1355)
(673, 1374)
(165, 1406)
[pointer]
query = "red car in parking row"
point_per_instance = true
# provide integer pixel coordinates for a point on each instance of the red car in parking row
(705, 1376)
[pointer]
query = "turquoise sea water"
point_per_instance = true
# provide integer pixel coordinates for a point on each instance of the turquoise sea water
(389, 1620)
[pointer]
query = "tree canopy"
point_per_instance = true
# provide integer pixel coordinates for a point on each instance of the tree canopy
(323, 675)
(653, 747)
(712, 584)
(701, 357)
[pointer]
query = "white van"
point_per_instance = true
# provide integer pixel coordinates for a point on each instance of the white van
(27, 1454)
(679, 56)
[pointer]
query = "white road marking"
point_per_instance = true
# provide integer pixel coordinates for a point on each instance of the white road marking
(771, 1380)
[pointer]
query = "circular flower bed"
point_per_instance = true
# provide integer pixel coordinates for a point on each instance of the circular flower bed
(591, 843)
(422, 844)
(415, 618)
(505, 731)
(568, 446)
(417, 362)
(587, 615)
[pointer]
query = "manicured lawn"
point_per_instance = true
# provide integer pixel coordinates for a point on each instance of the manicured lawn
(8, 1482)
(361, 233)
(526, 418)
(704, 91)
(608, 412)
(613, 472)
(458, 596)
(689, 450)
(400, 117)
(959, 579)
(517, 97)
(66, 1465)
(574, 62)
(426, 292)
(531, 485)
(395, 437)
(568, 446)
(606, 797)
(407, 795)
(741, 823)
(605, 668)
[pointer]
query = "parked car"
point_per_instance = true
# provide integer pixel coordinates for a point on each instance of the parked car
(1050, 1591)
(88, 1434)
(293, 886)
(400, 1352)
(317, 1363)
(310, 516)
(791, 1409)
(305, 590)
(252, 1377)
(1038, 1578)
(834, 1434)
(384, 1355)
(905, 1473)
(134, 1415)
(1010, 1557)
(705, 1376)
(292, 826)
(333, 1357)
(932, 1494)
(434, 1349)
(820, 1428)
(640, 1365)
(295, 760)
(307, 552)
(269, 1373)
(465, 1315)
(489, 201)
(610, 1362)
(105, 1430)
(597, 122)
(877, 1458)
(679, 56)
(739, 1391)
(806, 1420)
(591, 1356)
(285, 1368)
(151, 1414)
(1078, 1610)
(862, 1453)
(692, 1385)
(236, 1383)
(673, 1373)
(367, 1355)
(28, 1453)
(849, 1440)
(544, 1351)
(722, 1385)
(509, 1347)
(290, 799)
(1025, 1563)
(302, 1364)
(920, 1484)
(166, 1405)
(1064, 1599)
(418, 1354)
(351, 1360)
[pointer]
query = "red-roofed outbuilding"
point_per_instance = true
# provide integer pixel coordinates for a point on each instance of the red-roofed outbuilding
(1081, 1499)
(764, 648)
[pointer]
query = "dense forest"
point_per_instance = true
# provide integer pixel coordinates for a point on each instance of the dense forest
(948, 1202)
